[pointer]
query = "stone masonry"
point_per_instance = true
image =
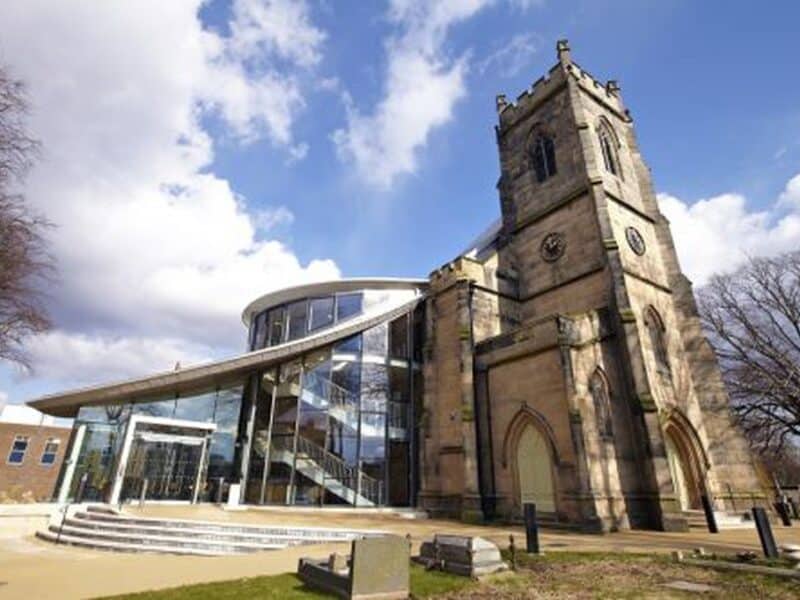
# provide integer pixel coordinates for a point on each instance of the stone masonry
(578, 302)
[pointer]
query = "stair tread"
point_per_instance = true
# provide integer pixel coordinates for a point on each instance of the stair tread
(93, 543)
(255, 535)
(92, 533)
(243, 527)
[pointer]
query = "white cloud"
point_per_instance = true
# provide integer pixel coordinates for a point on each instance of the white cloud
(790, 197)
(513, 56)
(421, 88)
(101, 359)
(157, 254)
(271, 218)
(717, 234)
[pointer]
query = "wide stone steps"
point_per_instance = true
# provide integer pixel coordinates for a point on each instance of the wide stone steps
(725, 520)
(101, 528)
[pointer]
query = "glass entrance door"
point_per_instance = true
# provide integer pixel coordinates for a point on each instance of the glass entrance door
(164, 469)
(166, 460)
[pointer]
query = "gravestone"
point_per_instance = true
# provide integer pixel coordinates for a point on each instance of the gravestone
(377, 569)
(462, 555)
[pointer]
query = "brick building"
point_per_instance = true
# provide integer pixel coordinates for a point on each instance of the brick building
(31, 453)
(559, 361)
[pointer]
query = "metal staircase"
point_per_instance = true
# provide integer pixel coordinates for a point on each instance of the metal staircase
(344, 406)
(314, 461)
(348, 482)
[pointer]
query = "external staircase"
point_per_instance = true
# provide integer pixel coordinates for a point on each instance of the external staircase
(346, 481)
(106, 529)
(725, 520)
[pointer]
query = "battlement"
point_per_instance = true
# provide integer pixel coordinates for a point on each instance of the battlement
(462, 268)
(552, 82)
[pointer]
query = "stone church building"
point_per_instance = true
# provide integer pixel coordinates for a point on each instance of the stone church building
(559, 360)
(564, 360)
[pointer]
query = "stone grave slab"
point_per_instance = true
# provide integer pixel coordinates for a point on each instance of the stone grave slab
(462, 555)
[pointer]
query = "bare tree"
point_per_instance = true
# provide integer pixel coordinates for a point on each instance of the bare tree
(25, 263)
(753, 320)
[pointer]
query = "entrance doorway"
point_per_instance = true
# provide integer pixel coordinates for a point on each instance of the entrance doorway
(535, 470)
(684, 477)
(162, 459)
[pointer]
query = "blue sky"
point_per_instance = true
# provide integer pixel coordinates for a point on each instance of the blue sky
(199, 154)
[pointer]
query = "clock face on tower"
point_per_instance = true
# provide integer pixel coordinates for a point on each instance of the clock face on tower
(553, 246)
(635, 240)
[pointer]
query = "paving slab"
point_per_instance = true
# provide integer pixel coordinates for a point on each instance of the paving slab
(36, 569)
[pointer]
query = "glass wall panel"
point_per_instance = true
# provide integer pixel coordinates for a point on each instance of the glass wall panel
(223, 441)
(398, 338)
(197, 408)
(321, 313)
(375, 340)
(298, 319)
(351, 345)
(348, 305)
(102, 441)
(282, 448)
(255, 492)
(260, 331)
(164, 409)
(277, 318)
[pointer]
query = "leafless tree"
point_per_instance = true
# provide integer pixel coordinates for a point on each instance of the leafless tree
(753, 320)
(25, 264)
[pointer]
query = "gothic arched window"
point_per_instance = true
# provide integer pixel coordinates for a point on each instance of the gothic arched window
(598, 387)
(543, 156)
(609, 146)
(657, 333)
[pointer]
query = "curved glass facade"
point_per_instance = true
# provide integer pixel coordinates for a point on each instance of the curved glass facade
(166, 446)
(300, 318)
(335, 426)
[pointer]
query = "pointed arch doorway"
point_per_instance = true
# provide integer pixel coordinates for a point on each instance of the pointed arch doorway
(686, 468)
(535, 470)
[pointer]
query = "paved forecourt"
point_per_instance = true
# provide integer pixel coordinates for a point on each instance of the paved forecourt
(31, 568)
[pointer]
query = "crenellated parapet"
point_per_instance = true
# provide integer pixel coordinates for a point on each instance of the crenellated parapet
(545, 87)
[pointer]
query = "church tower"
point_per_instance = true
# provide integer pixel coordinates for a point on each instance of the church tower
(583, 381)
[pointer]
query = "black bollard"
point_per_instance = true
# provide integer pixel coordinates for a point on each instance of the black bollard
(795, 509)
(531, 529)
(711, 519)
(783, 512)
(765, 532)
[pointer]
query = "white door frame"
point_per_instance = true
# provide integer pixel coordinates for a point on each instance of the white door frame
(130, 433)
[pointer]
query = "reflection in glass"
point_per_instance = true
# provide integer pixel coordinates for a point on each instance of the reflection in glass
(348, 305)
(321, 313)
(260, 331)
(398, 337)
(297, 320)
(277, 316)
(375, 340)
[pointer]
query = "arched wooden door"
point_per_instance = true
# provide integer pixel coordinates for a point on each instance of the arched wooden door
(687, 487)
(535, 470)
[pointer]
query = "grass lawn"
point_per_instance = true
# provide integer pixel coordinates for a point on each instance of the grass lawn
(556, 575)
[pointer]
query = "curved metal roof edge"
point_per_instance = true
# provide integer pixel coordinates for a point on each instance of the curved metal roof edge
(67, 403)
(321, 288)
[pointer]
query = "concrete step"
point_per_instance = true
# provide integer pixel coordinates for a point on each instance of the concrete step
(316, 534)
(119, 546)
(212, 534)
(147, 540)
(105, 528)
(725, 520)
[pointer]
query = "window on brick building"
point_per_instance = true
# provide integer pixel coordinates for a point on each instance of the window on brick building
(18, 449)
(543, 156)
(50, 451)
